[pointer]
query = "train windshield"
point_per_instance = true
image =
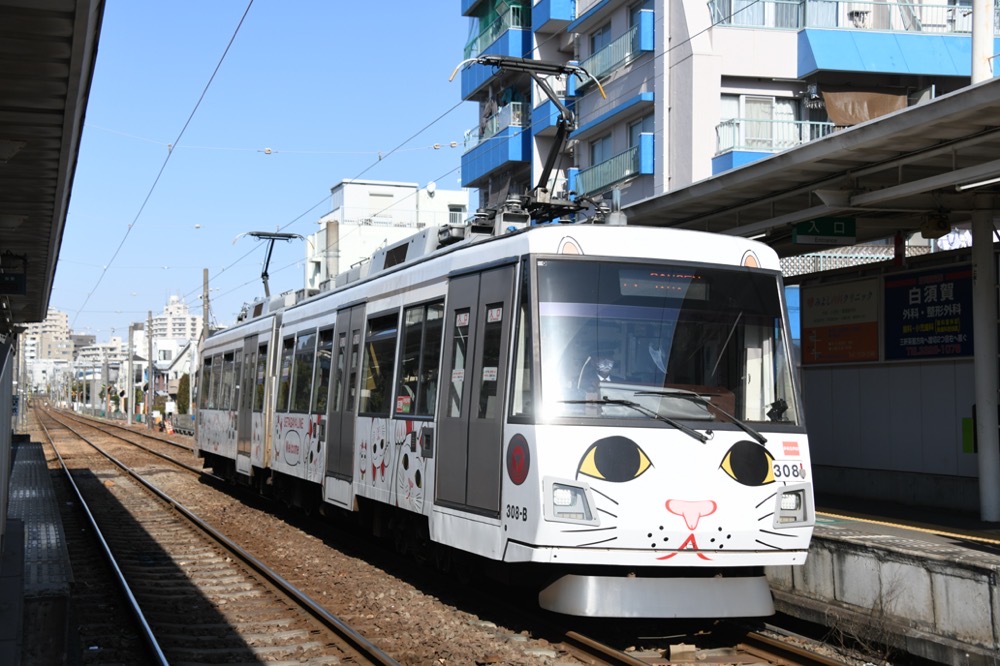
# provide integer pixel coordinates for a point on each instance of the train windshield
(660, 341)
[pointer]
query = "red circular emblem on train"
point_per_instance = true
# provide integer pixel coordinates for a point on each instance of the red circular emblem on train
(518, 459)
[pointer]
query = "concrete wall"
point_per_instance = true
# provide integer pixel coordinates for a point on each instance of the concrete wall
(933, 599)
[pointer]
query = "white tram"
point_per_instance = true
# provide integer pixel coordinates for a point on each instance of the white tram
(610, 410)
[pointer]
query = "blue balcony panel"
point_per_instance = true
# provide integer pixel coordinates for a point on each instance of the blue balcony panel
(884, 53)
(552, 15)
(515, 42)
(732, 159)
(512, 144)
(632, 104)
(572, 178)
(469, 7)
(582, 20)
(544, 117)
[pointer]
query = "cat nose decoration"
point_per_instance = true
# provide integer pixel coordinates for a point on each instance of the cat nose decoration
(691, 511)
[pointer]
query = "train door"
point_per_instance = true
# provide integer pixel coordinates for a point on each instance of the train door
(470, 440)
(245, 392)
(344, 399)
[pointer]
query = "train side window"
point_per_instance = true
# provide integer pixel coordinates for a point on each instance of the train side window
(247, 381)
(459, 356)
(492, 342)
(521, 403)
(338, 379)
(228, 381)
(217, 382)
(207, 400)
(419, 359)
(237, 379)
(352, 378)
(430, 364)
(285, 374)
(380, 350)
(321, 377)
(260, 379)
(302, 374)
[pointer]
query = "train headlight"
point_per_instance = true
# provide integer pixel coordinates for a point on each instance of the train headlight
(791, 501)
(568, 503)
(794, 506)
(562, 496)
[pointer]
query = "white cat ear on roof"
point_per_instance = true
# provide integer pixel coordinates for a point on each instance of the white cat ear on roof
(569, 246)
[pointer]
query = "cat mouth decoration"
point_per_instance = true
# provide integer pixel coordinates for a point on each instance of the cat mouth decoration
(692, 512)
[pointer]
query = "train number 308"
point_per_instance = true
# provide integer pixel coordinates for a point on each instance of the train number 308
(789, 471)
(517, 512)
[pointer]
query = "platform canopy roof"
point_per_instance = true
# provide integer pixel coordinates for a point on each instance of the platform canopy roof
(922, 167)
(47, 53)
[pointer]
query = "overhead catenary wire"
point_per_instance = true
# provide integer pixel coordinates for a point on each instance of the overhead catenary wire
(166, 160)
(380, 156)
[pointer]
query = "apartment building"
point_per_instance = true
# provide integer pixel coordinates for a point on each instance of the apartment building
(368, 214)
(48, 339)
(176, 321)
(689, 89)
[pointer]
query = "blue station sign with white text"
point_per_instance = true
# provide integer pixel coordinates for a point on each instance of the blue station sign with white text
(929, 314)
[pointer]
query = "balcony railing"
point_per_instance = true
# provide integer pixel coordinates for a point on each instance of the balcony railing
(618, 168)
(515, 17)
(898, 16)
(512, 115)
(767, 135)
(613, 55)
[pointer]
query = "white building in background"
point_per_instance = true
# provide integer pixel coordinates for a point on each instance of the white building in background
(113, 352)
(176, 321)
(367, 214)
(48, 350)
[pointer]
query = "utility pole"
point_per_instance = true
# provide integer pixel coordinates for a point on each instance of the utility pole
(105, 380)
(204, 304)
(149, 364)
(130, 382)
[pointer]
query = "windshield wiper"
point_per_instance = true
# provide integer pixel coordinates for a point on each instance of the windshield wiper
(694, 397)
(642, 410)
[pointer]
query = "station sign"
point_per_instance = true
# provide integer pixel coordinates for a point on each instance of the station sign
(929, 314)
(840, 322)
(13, 274)
(13, 284)
(826, 231)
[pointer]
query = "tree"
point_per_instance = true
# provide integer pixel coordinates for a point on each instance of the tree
(184, 394)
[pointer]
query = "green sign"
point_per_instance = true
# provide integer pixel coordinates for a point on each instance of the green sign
(825, 231)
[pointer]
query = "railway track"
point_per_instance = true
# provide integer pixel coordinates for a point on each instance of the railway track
(197, 597)
(564, 645)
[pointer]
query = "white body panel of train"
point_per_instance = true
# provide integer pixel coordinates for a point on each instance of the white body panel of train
(643, 470)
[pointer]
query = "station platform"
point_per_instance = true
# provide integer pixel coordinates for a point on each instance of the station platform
(36, 624)
(925, 582)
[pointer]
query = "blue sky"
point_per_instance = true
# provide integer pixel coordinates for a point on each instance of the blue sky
(326, 85)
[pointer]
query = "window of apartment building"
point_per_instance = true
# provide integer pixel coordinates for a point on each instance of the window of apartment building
(600, 38)
(600, 150)
(767, 14)
(758, 122)
(642, 126)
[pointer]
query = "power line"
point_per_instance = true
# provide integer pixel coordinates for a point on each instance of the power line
(380, 158)
(163, 166)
